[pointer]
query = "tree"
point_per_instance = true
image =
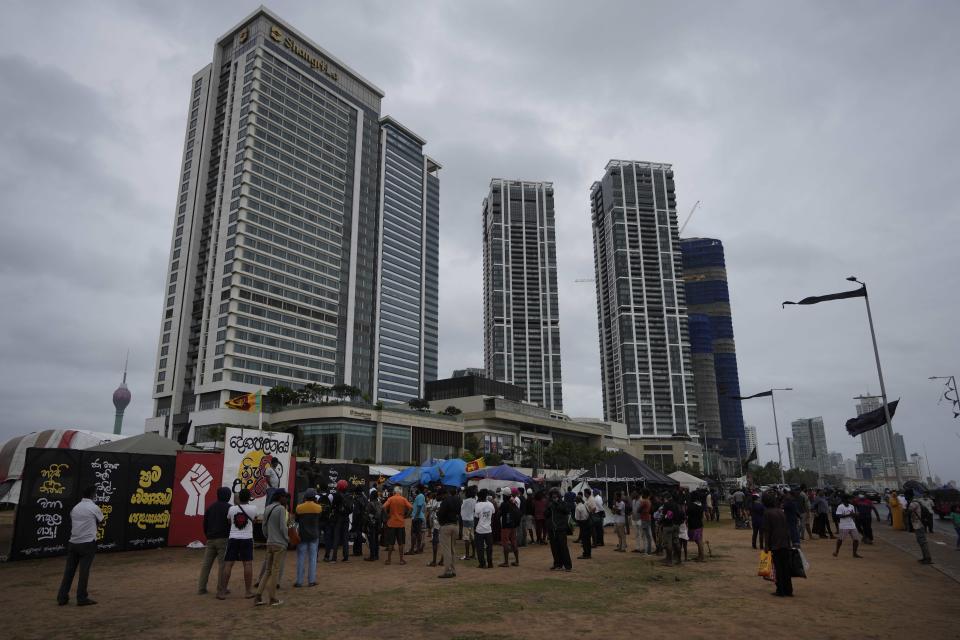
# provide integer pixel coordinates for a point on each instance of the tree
(471, 448)
(451, 411)
(280, 396)
(492, 459)
(418, 404)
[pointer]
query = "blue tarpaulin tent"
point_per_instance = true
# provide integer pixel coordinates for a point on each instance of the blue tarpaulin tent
(500, 472)
(448, 472)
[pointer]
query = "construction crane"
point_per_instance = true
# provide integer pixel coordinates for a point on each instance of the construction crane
(689, 215)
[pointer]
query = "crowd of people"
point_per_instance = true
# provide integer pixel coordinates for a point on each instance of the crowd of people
(346, 519)
(354, 523)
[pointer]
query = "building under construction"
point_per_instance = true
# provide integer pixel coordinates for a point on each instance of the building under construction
(714, 355)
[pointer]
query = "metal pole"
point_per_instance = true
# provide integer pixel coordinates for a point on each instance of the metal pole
(776, 430)
(883, 391)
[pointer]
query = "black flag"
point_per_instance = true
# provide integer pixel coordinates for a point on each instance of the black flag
(750, 458)
(870, 421)
(856, 293)
(762, 394)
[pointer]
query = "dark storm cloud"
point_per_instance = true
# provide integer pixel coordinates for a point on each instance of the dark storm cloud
(820, 137)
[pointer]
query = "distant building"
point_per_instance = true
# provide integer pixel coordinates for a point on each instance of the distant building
(810, 445)
(791, 464)
(836, 463)
(849, 468)
(874, 441)
(899, 448)
(469, 371)
(750, 433)
(521, 329)
(472, 385)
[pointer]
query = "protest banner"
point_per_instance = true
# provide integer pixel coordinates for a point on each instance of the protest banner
(247, 454)
(197, 477)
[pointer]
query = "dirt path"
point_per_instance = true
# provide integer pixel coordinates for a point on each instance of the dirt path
(151, 594)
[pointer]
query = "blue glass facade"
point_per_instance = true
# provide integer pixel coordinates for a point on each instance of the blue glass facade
(405, 348)
(708, 300)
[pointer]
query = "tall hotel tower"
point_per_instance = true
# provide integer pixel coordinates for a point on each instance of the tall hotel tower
(521, 329)
(715, 370)
(644, 345)
(293, 199)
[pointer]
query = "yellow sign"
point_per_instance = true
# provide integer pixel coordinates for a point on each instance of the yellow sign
(317, 63)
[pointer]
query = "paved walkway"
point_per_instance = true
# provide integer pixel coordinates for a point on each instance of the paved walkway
(946, 559)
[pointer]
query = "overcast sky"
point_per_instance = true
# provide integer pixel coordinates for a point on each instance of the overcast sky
(822, 139)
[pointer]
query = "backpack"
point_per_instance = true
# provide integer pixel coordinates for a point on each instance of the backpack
(346, 506)
(240, 520)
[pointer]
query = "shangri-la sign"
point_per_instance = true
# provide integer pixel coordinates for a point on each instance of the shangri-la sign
(317, 63)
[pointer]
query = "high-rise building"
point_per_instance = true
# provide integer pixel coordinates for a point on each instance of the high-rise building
(406, 314)
(810, 445)
(750, 433)
(900, 449)
(850, 468)
(711, 328)
(791, 460)
(521, 337)
(645, 364)
(836, 463)
(874, 441)
(293, 197)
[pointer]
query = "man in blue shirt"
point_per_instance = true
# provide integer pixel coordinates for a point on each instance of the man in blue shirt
(419, 519)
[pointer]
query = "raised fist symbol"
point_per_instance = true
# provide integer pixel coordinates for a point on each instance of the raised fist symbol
(196, 482)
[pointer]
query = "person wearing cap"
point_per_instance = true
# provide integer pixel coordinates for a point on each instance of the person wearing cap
(308, 519)
(528, 524)
(342, 508)
(216, 528)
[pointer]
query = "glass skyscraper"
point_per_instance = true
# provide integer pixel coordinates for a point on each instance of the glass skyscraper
(407, 314)
(274, 269)
(645, 363)
(716, 376)
(521, 339)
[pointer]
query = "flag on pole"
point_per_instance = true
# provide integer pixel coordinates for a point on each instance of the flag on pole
(476, 465)
(856, 293)
(870, 420)
(248, 402)
(762, 394)
(750, 458)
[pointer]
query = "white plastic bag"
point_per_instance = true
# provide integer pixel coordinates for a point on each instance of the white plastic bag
(803, 558)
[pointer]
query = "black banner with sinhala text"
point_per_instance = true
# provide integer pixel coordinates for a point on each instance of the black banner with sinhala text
(133, 491)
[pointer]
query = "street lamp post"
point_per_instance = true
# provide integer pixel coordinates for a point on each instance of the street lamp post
(776, 430)
(883, 388)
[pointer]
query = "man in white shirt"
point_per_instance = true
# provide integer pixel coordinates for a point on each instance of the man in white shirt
(598, 517)
(846, 515)
(84, 518)
(467, 516)
(483, 530)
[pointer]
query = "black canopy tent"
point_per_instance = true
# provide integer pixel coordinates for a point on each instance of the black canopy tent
(624, 467)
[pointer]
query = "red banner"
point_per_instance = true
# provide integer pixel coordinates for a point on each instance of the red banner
(195, 482)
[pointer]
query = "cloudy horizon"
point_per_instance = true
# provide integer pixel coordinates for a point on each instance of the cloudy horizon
(821, 139)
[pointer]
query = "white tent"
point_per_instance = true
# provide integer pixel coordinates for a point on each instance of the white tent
(14, 452)
(687, 481)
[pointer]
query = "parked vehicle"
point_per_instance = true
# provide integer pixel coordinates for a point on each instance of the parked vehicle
(944, 501)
